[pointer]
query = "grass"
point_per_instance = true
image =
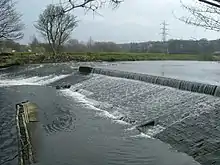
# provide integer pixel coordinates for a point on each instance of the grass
(25, 57)
(122, 56)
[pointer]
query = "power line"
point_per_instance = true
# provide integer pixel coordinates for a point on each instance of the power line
(164, 34)
(164, 31)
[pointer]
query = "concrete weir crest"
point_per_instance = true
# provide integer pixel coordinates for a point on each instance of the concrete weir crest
(27, 128)
(208, 89)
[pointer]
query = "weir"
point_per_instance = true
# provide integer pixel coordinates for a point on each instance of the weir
(208, 89)
(27, 128)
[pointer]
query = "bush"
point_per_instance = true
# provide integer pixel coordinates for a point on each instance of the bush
(5, 54)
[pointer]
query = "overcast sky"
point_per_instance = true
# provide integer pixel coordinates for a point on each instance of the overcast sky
(133, 21)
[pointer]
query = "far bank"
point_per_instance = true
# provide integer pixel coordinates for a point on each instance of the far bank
(7, 60)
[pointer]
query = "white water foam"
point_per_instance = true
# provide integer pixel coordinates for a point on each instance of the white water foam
(85, 92)
(51, 79)
(91, 104)
(3, 75)
(33, 68)
(74, 67)
(36, 80)
(106, 114)
(150, 133)
(4, 68)
(115, 115)
(80, 98)
(131, 128)
(122, 122)
(154, 130)
(142, 135)
(8, 82)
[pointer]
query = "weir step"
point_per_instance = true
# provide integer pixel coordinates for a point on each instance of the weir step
(203, 88)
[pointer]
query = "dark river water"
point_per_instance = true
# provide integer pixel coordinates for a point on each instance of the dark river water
(81, 125)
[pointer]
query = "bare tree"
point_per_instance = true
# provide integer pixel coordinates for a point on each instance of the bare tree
(206, 15)
(69, 5)
(56, 28)
(10, 22)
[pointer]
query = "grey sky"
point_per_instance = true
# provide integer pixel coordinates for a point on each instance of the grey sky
(134, 20)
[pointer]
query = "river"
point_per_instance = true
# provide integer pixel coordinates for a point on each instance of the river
(81, 125)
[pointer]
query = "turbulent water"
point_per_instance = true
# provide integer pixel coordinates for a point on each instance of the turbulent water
(82, 125)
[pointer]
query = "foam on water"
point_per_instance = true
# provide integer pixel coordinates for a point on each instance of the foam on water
(80, 98)
(142, 135)
(131, 128)
(114, 114)
(3, 75)
(155, 130)
(36, 80)
(36, 67)
(150, 132)
(106, 114)
(122, 122)
(93, 104)
(18, 81)
(85, 92)
(4, 68)
(51, 79)
(74, 67)
(99, 107)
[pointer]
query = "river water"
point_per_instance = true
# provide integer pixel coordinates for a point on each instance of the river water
(81, 125)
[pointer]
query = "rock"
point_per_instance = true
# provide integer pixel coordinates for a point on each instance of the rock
(58, 87)
(85, 69)
(150, 123)
(142, 127)
(68, 86)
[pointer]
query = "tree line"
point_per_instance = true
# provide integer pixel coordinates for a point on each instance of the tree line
(202, 46)
(57, 22)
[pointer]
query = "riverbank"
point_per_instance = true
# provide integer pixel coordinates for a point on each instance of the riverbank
(30, 58)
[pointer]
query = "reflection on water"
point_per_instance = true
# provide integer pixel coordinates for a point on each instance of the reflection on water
(205, 72)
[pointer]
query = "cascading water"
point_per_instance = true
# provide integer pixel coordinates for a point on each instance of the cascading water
(209, 89)
(94, 121)
(172, 110)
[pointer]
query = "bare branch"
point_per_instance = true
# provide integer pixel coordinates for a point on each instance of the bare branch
(201, 15)
(212, 3)
(89, 5)
(10, 22)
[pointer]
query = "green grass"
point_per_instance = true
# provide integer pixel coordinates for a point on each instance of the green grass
(26, 57)
(121, 56)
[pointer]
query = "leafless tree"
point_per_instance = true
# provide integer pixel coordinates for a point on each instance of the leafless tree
(206, 15)
(10, 21)
(93, 5)
(56, 28)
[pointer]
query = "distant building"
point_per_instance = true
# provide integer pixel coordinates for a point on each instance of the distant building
(6, 50)
(217, 53)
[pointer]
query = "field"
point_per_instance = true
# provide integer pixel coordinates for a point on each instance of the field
(26, 58)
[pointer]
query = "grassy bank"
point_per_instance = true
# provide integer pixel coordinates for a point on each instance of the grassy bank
(26, 58)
